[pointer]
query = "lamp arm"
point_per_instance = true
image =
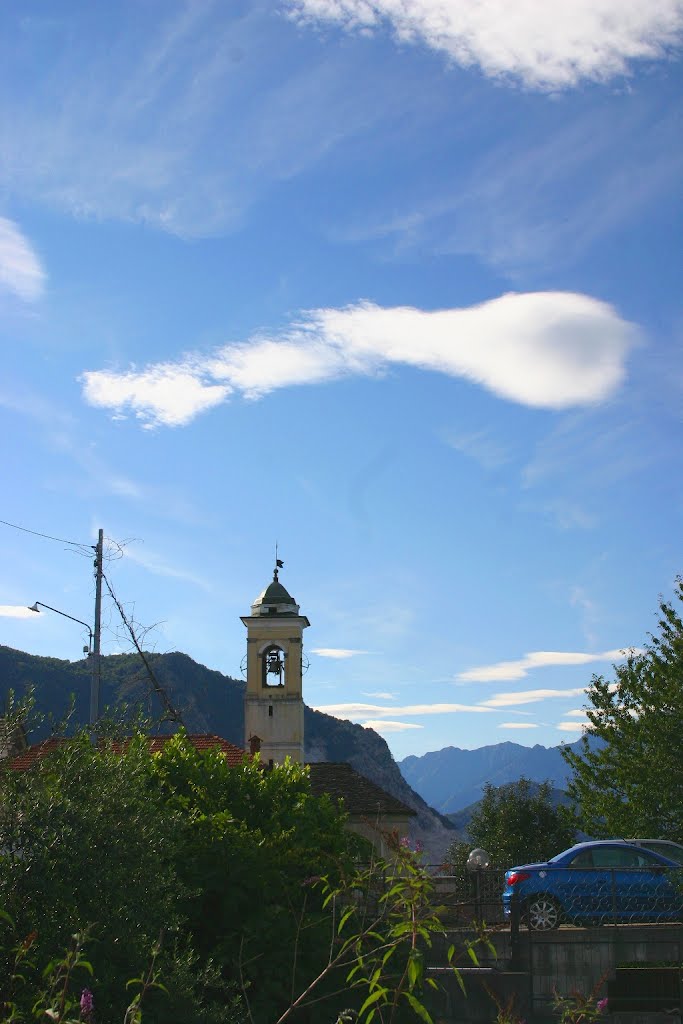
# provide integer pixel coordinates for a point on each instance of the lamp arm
(57, 611)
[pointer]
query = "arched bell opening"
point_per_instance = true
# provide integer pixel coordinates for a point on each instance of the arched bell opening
(273, 666)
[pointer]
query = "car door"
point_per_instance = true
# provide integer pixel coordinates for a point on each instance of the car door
(587, 888)
(639, 884)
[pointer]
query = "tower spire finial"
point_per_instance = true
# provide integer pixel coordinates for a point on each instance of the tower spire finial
(278, 565)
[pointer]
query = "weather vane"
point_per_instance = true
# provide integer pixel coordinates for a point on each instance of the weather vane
(278, 564)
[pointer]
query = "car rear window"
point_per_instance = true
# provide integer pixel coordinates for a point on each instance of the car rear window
(671, 850)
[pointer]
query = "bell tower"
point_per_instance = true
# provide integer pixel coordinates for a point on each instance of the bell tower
(273, 702)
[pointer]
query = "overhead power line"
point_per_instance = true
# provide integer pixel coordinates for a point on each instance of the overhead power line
(46, 536)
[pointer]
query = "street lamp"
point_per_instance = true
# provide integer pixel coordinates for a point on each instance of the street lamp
(94, 709)
(477, 862)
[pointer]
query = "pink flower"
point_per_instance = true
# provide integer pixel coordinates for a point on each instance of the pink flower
(602, 1004)
(87, 1003)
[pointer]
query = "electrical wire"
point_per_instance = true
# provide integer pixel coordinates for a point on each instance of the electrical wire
(46, 536)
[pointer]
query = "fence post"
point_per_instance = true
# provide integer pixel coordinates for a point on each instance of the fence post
(515, 957)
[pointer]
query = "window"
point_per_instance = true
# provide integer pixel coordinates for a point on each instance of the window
(583, 860)
(270, 711)
(615, 857)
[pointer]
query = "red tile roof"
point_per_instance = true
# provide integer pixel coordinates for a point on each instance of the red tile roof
(202, 741)
(28, 757)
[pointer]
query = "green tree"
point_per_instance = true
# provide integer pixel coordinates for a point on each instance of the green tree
(89, 844)
(127, 845)
(250, 842)
(243, 883)
(517, 823)
(628, 774)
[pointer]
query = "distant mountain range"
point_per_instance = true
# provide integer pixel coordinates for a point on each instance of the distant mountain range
(209, 703)
(451, 780)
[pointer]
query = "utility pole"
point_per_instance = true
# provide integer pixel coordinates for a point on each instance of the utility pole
(96, 663)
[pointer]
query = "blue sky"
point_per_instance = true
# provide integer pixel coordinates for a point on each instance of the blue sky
(395, 285)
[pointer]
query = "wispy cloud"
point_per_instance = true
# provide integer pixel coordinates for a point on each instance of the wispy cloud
(518, 725)
(182, 121)
(569, 515)
(160, 566)
(336, 652)
(549, 350)
(18, 611)
(571, 726)
(351, 710)
(510, 700)
(381, 695)
(382, 727)
(545, 45)
(503, 671)
(596, 458)
(21, 271)
(480, 446)
(603, 167)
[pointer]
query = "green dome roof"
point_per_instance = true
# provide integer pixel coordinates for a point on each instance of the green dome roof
(275, 593)
(275, 600)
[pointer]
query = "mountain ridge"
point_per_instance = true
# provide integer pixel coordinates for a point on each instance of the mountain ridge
(452, 779)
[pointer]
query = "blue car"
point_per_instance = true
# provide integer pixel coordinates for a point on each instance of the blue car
(596, 882)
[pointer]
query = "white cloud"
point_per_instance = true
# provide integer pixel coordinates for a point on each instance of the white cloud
(381, 695)
(359, 710)
(20, 269)
(544, 44)
(336, 652)
(161, 395)
(510, 700)
(504, 671)
(16, 611)
(549, 350)
(571, 726)
(388, 727)
(517, 725)
(577, 713)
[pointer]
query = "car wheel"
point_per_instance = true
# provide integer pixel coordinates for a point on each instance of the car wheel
(542, 913)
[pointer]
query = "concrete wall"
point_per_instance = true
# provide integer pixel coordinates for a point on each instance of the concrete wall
(567, 960)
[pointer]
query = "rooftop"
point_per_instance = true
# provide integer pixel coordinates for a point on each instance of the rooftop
(275, 600)
(201, 741)
(360, 795)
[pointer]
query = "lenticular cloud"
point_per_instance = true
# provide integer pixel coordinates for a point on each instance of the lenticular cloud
(544, 44)
(547, 350)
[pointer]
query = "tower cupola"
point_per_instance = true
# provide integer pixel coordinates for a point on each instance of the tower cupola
(275, 600)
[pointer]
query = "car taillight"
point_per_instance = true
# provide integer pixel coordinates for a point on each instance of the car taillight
(513, 877)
